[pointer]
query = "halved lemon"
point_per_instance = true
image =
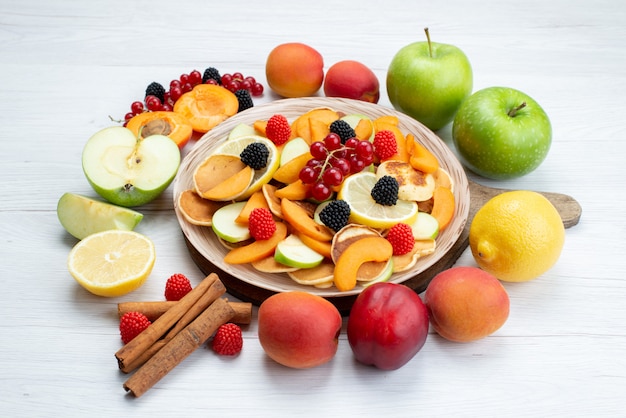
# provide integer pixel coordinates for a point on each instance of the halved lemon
(356, 191)
(112, 263)
(236, 145)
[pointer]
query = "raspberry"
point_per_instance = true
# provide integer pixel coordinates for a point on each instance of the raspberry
(155, 89)
(385, 191)
(176, 287)
(228, 340)
(401, 238)
(132, 324)
(335, 215)
(255, 155)
(385, 144)
(278, 130)
(261, 224)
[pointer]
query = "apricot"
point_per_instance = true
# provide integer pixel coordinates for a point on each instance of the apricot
(303, 222)
(298, 329)
(443, 206)
(206, 105)
(171, 124)
(257, 250)
(294, 70)
(466, 303)
(352, 80)
(359, 252)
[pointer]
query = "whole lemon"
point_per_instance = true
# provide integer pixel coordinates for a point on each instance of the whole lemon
(517, 236)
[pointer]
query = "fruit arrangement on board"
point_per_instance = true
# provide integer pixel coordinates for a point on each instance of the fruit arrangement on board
(327, 198)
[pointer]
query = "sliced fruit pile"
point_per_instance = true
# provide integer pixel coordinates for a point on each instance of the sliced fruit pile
(329, 199)
(194, 102)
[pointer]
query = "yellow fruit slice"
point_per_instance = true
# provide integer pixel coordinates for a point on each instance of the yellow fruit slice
(356, 191)
(517, 236)
(236, 145)
(112, 263)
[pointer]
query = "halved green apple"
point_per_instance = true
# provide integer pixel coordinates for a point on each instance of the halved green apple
(129, 171)
(293, 252)
(292, 149)
(82, 216)
(240, 130)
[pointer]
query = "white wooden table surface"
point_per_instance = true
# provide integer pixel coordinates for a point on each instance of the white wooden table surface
(66, 66)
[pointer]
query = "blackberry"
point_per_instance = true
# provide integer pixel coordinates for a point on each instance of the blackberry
(245, 100)
(335, 215)
(155, 89)
(385, 191)
(255, 155)
(343, 129)
(211, 73)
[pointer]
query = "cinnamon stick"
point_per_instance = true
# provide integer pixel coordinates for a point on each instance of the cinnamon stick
(179, 347)
(142, 342)
(214, 291)
(153, 310)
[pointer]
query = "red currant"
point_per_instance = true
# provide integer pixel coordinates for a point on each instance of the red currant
(128, 116)
(195, 77)
(184, 78)
(250, 80)
(342, 165)
(136, 107)
(332, 141)
(175, 83)
(245, 84)
(238, 76)
(332, 177)
(226, 78)
(351, 143)
(318, 150)
(320, 192)
(175, 93)
(307, 175)
(256, 89)
(186, 87)
(364, 149)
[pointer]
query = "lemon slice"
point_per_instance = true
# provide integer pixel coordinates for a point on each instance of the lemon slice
(235, 145)
(112, 263)
(356, 191)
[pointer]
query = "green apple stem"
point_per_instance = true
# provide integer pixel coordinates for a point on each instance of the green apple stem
(430, 47)
(514, 111)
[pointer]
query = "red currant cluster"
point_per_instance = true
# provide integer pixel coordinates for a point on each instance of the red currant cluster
(157, 98)
(332, 161)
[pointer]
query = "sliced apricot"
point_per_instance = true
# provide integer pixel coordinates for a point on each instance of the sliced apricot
(443, 206)
(387, 119)
(215, 169)
(360, 251)
(364, 129)
(290, 171)
(171, 124)
(206, 105)
(319, 129)
(420, 157)
(256, 200)
(300, 220)
(293, 191)
(233, 187)
(257, 250)
(402, 153)
(320, 247)
(260, 126)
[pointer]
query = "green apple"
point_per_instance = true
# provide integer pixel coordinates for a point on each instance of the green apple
(501, 133)
(240, 130)
(126, 170)
(425, 226)
(294, 253)
(292, 149)
(428, 81)
(82, 216)
(225, 226)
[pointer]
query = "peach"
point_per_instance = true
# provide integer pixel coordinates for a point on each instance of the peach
(298, 329)
(466, 304)
(352, 80)
(294, 70)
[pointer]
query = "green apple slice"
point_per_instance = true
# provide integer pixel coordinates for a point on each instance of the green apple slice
(242, 129)
(425, 226)
(293, 252)
(292, 149)
(225, 226)
(129, 171)
(82, 216)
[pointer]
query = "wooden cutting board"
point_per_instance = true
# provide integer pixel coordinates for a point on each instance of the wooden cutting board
(569, 209)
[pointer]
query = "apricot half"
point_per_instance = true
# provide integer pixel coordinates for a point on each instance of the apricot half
(206, 105)
(171, 124)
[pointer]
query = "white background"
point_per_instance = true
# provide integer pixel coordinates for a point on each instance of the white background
(66, 66)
